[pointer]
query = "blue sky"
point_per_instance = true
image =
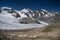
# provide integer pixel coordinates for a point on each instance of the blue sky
(50, 5)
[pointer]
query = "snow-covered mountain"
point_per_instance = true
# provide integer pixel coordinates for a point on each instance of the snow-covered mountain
(13, 18)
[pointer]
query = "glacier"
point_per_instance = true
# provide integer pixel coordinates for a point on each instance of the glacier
(9, 22)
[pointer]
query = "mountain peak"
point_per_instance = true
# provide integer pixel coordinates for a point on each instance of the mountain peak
(44, 10)
(6, 8)
(25, 10)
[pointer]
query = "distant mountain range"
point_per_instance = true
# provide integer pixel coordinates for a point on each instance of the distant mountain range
(27, 15)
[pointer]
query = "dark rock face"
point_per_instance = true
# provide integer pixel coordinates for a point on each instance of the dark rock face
(38, 22)
(0, 11)
(36, 15)
(17, 15)
(27, 15)
(26, 20)
(10, 11)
